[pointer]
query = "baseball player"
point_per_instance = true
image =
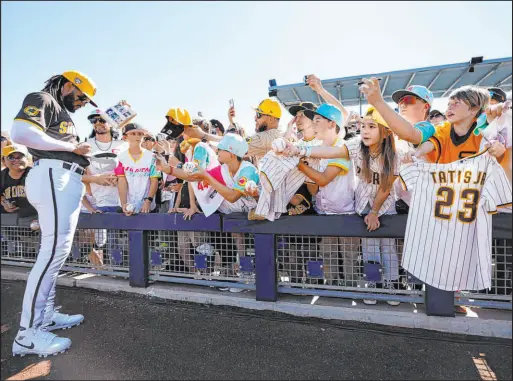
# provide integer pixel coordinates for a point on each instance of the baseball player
(55, 189)
(281, 179)
(448, 240)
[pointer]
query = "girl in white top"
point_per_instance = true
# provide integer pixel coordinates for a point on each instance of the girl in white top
(377, 166)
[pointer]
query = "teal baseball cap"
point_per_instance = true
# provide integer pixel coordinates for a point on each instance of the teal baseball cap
(235, 144)
(421, 92)
(329, 112)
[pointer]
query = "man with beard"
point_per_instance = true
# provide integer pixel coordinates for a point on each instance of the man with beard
(54, 187)
(104, 159)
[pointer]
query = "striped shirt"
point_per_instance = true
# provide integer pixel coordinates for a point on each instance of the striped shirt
(366, 192)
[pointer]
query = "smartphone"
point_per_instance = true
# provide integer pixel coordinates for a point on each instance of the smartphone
(361, 82)
(160, 137)
(232, 103)
(305, 78)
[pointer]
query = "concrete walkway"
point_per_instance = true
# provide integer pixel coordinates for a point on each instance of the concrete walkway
(129, 336)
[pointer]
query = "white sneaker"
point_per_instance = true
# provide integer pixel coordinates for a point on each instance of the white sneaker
(64, 321)
(364, 284)
(37, 341)
(391, 286)
(236, 290)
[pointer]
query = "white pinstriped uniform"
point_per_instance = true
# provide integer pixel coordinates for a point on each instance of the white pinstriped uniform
(281, 180)
(448, 240)
(366, 192)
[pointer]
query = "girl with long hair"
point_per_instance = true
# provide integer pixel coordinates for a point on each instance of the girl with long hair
(376, 165)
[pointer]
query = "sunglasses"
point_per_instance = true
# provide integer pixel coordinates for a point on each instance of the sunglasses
(14, 158)
(3, 138)
(409, 100)
(97, 120)
(149, 139)
(259, 115)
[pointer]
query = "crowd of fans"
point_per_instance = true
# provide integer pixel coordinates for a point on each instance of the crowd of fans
(135, 171)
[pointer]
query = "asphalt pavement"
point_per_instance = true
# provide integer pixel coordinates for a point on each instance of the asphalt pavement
(125, 336)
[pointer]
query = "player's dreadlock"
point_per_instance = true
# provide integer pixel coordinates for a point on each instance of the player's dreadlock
(54, 87)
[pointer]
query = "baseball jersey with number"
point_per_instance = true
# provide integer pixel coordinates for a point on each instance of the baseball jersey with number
(338, 196)
(450, 147)
(448, 239)
(104, 160)
(137, 173)
(366, 192)
(42, 110)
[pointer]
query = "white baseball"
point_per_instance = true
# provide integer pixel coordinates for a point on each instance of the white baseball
(250, 186)
(189, 167)
(279, 145)
(34, 225)
(129, 208)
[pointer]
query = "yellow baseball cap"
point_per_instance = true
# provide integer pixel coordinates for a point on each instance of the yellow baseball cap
(180, 115)
(373, 114)
(8, 150)
(269, 107)
(83, 82)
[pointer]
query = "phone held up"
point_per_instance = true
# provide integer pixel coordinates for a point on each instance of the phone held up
(232, 104)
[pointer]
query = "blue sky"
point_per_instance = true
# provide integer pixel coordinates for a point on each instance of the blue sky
(198, 55)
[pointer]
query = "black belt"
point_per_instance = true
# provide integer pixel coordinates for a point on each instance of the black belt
(68, 166)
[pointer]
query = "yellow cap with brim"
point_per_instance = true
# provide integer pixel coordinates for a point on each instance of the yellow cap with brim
(269, 107)
(373, 114)
(180, 116)
(83, 83)
(9, 150)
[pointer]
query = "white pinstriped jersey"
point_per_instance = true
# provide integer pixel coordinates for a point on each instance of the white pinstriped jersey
(285, 179)
(448, 239)
(366, 192)
(261, 143)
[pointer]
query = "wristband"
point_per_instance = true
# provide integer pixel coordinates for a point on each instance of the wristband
(150, 199)
(373, 212)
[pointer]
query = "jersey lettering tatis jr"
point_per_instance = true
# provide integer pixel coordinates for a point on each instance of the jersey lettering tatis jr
(448, 239)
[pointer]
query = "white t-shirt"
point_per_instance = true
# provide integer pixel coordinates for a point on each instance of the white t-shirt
(366, 192)
(137, 174)
(105, 159)
(338, 196)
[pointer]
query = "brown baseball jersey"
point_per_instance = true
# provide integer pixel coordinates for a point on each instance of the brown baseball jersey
(42, 110)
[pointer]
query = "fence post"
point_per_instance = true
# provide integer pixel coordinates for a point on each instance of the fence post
(266, 269)
(439, 302)
(138, 254)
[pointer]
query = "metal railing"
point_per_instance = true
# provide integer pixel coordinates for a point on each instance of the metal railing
(299, 255)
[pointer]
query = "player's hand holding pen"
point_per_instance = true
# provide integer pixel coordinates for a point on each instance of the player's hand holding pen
(83, 149)
(372, 221)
